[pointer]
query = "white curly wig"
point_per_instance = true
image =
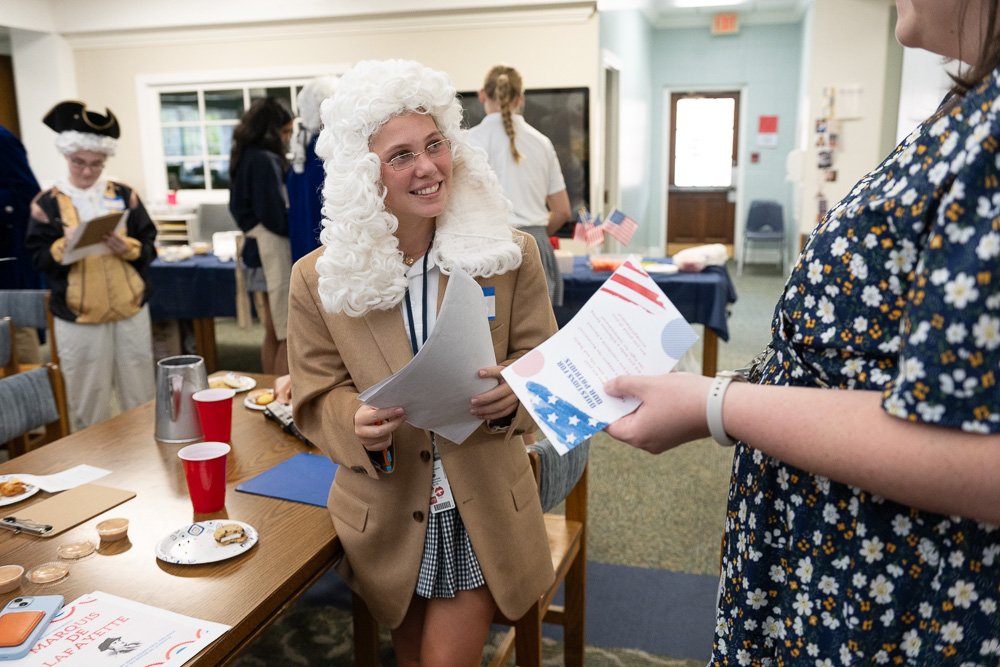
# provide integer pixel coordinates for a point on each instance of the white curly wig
(309, 100)
(71, 141)
(362, 268)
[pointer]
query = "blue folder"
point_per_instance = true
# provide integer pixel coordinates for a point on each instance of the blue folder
(304, 478)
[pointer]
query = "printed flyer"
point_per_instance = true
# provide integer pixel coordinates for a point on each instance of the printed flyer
(629, 327)
(103, 629)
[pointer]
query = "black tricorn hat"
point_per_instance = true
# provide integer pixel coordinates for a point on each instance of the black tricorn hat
(73, 116)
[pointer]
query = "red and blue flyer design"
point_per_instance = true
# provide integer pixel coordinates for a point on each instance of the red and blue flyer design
(629, 327)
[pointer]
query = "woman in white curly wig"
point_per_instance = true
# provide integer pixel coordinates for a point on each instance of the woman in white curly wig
(407, 201)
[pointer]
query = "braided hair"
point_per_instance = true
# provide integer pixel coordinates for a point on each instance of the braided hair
(503, 85)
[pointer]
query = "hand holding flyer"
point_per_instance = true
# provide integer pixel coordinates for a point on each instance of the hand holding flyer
(629, 327)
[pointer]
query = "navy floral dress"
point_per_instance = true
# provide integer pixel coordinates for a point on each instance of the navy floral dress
(897, 290)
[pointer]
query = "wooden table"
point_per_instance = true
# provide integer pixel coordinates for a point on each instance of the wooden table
(297, 542)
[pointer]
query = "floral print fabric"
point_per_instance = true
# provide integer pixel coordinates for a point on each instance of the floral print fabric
(897, 290)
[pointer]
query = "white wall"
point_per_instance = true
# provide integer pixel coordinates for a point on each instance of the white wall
(552, 48)
(924, 84)
(849, 42)
(43, 75)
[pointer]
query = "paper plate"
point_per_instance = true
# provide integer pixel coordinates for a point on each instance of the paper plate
(250, 401)
(195, 544)
(242, 382)
(30, 490)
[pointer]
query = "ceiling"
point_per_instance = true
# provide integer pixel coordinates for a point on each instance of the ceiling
(679, 13)
(52, 15)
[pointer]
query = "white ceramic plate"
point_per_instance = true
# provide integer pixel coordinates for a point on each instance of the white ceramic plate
(250, 401)
(30, 490)
(246, 383)
(195, 544)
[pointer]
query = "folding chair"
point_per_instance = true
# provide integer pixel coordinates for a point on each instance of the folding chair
(31, 400)
(30, 308)
(765, 224)
(8, 348)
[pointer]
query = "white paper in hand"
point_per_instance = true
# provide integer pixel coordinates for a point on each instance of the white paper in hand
(629, 327)
(86, 239)
(436, 387)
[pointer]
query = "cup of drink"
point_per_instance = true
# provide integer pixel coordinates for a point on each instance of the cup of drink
(215, 411)
(205, 471)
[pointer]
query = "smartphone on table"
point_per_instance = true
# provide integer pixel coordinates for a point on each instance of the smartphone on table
(23, 622)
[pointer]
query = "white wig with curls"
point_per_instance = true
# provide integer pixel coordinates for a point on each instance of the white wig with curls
(362, 268)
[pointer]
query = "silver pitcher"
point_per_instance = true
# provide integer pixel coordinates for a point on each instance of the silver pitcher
(177, 379)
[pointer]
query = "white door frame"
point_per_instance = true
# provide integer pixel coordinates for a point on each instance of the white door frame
(741, 145)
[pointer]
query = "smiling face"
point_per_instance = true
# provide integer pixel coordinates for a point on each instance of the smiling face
(420, 192)
(85, 168)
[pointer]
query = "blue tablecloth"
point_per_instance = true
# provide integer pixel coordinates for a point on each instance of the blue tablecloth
(199, 287)
(204, 287)
(702, 298)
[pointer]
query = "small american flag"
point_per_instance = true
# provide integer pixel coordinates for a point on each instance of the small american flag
(594, 232)
(620, 226)
(580, 228)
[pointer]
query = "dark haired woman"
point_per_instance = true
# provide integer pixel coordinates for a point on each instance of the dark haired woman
(258, 202)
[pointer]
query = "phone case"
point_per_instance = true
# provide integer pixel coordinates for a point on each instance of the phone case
(23, 621)
(16, 626)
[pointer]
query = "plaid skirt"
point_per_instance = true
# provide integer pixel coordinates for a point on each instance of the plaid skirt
(449, 564)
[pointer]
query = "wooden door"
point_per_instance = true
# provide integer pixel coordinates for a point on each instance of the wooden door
(701, 202)
(8, 98)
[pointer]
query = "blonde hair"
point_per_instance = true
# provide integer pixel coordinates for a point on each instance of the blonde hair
(361, 268)
(503, 85)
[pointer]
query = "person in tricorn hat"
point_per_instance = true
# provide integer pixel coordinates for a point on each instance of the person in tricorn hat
(98, 301)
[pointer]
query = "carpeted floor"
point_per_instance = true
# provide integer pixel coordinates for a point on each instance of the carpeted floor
(655, 525)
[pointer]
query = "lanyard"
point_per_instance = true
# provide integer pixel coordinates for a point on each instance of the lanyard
(409, 313)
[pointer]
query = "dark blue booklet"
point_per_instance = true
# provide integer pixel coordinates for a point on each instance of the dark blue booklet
(304, 478)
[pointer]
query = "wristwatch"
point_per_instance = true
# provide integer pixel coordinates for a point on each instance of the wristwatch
(713, 406)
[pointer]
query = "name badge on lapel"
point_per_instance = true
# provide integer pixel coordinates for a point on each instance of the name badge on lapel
(490, 294)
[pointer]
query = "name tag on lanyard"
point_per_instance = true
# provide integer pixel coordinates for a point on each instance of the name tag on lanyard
(441, 498)
(490, 297)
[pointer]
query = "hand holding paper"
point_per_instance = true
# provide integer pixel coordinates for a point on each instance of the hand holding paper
(436, 386)
(628, 327)
(87, 238)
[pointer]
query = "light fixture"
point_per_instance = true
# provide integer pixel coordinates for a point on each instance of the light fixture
(694, 4)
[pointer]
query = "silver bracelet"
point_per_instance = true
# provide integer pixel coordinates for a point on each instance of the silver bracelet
(713, 406)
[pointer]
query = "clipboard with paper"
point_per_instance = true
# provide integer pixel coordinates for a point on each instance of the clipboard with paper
(86, 239)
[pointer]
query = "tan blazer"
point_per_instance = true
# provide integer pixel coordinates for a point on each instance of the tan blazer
(381, 518)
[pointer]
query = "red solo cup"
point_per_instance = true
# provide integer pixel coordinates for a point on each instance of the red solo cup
(205, 471)
(215, 410)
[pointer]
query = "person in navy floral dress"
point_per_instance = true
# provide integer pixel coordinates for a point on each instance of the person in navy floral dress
(863, 524)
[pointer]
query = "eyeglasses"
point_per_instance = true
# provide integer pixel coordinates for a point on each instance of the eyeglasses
(80, 164)
(404, 161)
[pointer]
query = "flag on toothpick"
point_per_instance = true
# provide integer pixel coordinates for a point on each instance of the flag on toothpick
(594, 232)
(583, 224)
(620, 226)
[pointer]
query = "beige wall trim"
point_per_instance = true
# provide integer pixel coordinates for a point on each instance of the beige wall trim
(398, 23)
